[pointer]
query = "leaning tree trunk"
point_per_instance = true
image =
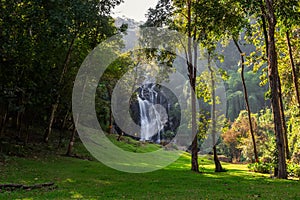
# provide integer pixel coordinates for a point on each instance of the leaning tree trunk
(76, 121)
(72, 138)
(247, 100)
(57, 99)
(264, 25)
(63, 127)
(273, 81)
(295, 78)
(282, 115)
(295, 81)
(218, 166)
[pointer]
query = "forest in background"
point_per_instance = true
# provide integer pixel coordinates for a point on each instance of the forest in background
(43, 44)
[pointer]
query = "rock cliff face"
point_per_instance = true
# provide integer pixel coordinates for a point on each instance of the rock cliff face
(156, 110)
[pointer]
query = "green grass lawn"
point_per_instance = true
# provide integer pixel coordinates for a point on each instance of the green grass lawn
(83, 179)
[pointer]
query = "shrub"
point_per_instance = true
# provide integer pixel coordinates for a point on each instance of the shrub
(260, 167)
(293, 170)
(264, 167)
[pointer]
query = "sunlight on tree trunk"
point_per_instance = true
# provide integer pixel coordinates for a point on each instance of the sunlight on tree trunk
(273, 81)
(264, 18)
(192, 77)
(247, 100)
(218, 166)
(282, 115)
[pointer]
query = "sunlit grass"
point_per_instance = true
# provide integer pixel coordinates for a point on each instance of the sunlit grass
(129, 144)
(82, 179)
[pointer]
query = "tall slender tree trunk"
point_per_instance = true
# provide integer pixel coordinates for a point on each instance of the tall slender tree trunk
(192, 77)
(295, 81)
(72, 138)
(52, 116)
(264, 25)
(76, 121)
(247, 100)
(4, 120)
(55, 105)
(282, 115)
(110, 126)
(273, 81)
(63, 125)
(295, 78)
(218, 166)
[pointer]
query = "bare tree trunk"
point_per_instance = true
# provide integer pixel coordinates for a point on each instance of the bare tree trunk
(72, 139)
(27, 121)
(27, 126)
(195, 165)
(284, 128)
(3, 121)
(63, 125)
(76, 120)
(218, 166)
(110, 121)
(273, 81)
(264, 26)
(110, 126)
(52, 116)
(247, 100)
(55, 105)
(192, 77)
(295, 81)
(295, 78)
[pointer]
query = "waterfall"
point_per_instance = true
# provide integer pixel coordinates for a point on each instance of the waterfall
(153, 116)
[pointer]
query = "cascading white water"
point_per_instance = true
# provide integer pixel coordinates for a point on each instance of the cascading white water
(153, 116)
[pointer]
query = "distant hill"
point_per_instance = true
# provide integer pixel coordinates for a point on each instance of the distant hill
(132, 24)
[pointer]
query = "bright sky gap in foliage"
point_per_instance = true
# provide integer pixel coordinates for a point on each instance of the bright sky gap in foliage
(134, 9)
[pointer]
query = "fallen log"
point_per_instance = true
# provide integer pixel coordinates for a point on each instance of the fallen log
(12, 186)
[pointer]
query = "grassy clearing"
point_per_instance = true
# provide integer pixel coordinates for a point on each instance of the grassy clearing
(129, 144)
(82, 179)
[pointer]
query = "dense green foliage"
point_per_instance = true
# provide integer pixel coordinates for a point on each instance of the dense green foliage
(253, 23)
(43, 44)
